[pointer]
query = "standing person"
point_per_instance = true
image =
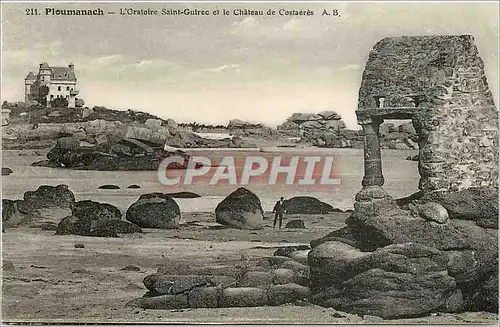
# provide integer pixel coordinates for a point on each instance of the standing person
(279, 210)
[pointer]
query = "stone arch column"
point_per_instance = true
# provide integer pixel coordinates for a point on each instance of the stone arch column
(373, 178)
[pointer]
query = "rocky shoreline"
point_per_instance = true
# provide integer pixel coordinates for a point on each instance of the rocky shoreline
(40, 128)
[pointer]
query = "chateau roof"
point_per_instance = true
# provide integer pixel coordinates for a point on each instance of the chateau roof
(30, 77)
(62, 74)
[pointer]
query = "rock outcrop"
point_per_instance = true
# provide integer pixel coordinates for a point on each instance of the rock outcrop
(260, 282)
(325, 129)
(240, 209)
(47, 196)
(397, 281)
(154, 210)
(306, 205)
(126, 154)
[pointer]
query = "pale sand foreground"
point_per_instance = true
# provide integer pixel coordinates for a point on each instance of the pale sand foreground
(53, 281)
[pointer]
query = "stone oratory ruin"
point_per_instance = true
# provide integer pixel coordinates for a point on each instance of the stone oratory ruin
(439, 83)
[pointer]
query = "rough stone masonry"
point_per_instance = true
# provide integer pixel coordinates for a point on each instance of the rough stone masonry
(439, 83)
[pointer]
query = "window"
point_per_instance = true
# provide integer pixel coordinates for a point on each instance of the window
(67, 88)
(59, 88)
(51, 96)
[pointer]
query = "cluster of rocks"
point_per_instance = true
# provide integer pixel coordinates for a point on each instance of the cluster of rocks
(325, 129)
(125, 154)
(409, 258)
(88, 218)
(402, 137)
(273, 281)
(41, 127)
(241, 209)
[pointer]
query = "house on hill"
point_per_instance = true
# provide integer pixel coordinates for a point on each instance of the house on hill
(52, 86)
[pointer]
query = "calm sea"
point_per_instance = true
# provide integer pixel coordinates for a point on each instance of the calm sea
(401, 179)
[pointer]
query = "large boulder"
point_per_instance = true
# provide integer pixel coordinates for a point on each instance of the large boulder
(90, 218)
(73, 225)
(112, 228)
(397, 281)
(307, 205)
(50, 197)
(240, 209)
(154, 210)
(376, 225)
(296, 223)
(16, 213)
(95, 211)
(470, 204)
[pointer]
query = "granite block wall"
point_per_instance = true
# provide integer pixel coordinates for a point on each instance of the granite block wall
(457, 124)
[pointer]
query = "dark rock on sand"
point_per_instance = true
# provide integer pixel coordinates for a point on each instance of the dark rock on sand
(90, 218)
(111, 228)
(134, 186)
(73, 225)
(307, 205)
(154, 210)
(296, 223)
(131, 268)
(398, 281)
(6, 171)
(184, 195)
(109, 187)
(50, 197)
(16, 213)
(95, 211)
(240, 209)
(127, 154)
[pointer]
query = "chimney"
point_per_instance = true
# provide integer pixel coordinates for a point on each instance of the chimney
(71, 67)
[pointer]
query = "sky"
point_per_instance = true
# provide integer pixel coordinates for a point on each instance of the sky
(213, 68)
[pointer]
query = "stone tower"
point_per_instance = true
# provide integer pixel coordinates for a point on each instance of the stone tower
(28, 84)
